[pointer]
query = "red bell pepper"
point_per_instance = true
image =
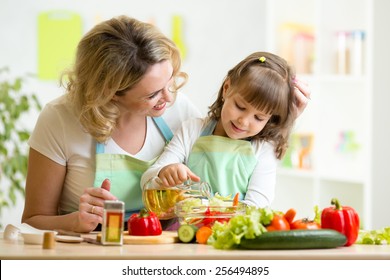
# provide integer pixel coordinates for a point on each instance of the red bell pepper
(144, 223)
(343, 219)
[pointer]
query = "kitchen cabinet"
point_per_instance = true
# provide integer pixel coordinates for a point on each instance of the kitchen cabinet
(338, 147)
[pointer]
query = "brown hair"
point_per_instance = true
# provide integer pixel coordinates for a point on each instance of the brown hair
(111, 58)
(265, 81)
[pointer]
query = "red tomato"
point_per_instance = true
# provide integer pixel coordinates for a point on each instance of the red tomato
(304, 223)
(212, 216)
(278, 223)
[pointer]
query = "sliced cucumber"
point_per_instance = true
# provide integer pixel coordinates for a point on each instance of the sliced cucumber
(295, 239)
(187, 233)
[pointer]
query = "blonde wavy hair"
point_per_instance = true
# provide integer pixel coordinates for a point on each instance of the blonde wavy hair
(111, 59)
(265, 81)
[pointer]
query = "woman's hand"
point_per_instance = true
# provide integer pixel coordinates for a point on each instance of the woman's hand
(302, 94)
(175, 174)
(91, 207)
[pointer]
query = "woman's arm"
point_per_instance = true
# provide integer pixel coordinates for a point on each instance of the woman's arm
(44, 183)
(302, 94)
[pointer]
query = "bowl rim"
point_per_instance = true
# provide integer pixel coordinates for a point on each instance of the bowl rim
(199, 210)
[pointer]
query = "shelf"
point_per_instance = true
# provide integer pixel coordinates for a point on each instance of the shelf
(325, 176)
(338, 117)
(283, 171)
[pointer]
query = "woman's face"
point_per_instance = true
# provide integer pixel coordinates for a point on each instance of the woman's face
(239, 119)
(149, 97)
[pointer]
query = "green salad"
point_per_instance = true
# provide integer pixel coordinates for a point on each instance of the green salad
(228, 235)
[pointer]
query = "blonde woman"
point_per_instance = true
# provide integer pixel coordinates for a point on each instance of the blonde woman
(108, 125)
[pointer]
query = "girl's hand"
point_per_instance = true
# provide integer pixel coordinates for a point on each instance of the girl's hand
(91, 207)
(175, 174)
(302, 94)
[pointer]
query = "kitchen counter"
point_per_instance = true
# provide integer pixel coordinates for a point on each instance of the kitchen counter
(17, 250)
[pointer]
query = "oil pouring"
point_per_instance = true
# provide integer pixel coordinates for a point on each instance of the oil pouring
(112, 229)
(161, 199)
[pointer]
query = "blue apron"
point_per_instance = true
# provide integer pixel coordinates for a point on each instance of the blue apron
(125, 172)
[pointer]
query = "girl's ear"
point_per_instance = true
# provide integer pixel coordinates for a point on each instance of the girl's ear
(226, 86)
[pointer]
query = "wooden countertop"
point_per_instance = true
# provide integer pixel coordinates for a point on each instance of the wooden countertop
(17, 250)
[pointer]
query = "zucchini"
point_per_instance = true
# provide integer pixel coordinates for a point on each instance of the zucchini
(295, 239)
(187, 233)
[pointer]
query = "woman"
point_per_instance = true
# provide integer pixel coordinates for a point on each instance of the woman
(126, 76)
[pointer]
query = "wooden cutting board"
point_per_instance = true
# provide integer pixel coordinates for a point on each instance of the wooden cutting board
(165, 238)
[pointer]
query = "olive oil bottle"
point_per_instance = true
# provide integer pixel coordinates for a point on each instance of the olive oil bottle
(161, 199)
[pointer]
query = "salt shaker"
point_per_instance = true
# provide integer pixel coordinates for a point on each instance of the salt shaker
(113, 221)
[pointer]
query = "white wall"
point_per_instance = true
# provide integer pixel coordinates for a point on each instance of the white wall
(218, 34)
(380, 117)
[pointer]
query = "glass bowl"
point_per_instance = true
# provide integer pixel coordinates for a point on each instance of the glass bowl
(207, 215)
(161, 200)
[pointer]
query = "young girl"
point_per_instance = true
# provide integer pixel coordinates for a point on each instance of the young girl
(236, 148)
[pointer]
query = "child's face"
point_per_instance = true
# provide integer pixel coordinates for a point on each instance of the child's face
(239, 119)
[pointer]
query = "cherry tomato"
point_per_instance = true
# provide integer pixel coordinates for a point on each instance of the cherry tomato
(212, 216)
(279, 222)
(304, 223)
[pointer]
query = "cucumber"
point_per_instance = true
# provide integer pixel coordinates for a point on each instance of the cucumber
(295, 239)
(187, 233)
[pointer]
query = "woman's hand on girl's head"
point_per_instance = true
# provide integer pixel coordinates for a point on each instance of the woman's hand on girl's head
(91, 207)
(175, 174)
(302, 94)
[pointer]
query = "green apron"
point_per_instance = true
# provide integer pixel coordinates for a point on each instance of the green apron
(125, 172)
(227, 164)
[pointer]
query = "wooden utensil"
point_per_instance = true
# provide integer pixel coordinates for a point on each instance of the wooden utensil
(165, 238)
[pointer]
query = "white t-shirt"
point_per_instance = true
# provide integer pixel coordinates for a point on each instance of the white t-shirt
(59, 136)
(261, 188)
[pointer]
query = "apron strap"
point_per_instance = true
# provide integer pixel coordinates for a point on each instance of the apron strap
(161, 125)
(99, 148)
(164, 128)
(208, 130)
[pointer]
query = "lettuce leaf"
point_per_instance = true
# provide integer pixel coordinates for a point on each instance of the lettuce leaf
(219, 200)
(228, 235)
(187, 204)
(374, 237)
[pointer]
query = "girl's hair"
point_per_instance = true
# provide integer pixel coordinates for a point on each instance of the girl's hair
(265, 81)
(111, 59)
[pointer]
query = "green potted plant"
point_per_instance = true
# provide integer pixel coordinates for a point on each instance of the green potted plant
(15, 104)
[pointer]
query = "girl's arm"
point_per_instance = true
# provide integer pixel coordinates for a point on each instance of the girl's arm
(175, 174)
(261, 187)
(175, 153)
